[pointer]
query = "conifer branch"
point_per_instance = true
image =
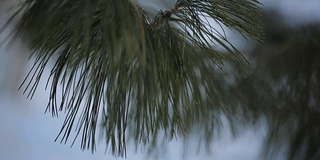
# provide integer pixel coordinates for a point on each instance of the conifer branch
(139, 76)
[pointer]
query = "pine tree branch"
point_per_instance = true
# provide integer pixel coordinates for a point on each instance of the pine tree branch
(139, 76)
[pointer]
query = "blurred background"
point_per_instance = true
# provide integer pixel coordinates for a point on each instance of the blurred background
(26, 132)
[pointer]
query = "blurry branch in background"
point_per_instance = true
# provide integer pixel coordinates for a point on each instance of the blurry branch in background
(287, 79)
(294, 72)
(140, 76)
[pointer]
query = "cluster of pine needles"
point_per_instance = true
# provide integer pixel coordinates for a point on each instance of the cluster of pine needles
(132, 76)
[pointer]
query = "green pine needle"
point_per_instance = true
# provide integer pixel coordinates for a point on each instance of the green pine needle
(138, 75)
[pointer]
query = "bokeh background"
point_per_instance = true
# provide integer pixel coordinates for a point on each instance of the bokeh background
(26, 132)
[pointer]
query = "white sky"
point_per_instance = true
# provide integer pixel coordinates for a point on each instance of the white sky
(27, 133)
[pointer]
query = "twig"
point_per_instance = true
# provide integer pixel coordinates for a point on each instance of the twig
(166, 15)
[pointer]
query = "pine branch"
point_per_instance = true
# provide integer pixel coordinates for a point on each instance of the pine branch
(138, 75)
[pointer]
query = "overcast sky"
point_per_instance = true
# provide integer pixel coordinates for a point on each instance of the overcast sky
(27, 133)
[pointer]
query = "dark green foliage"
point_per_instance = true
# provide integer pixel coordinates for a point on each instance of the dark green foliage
(295, 72)
(139, 75)
(133, 77)
(287, 70)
